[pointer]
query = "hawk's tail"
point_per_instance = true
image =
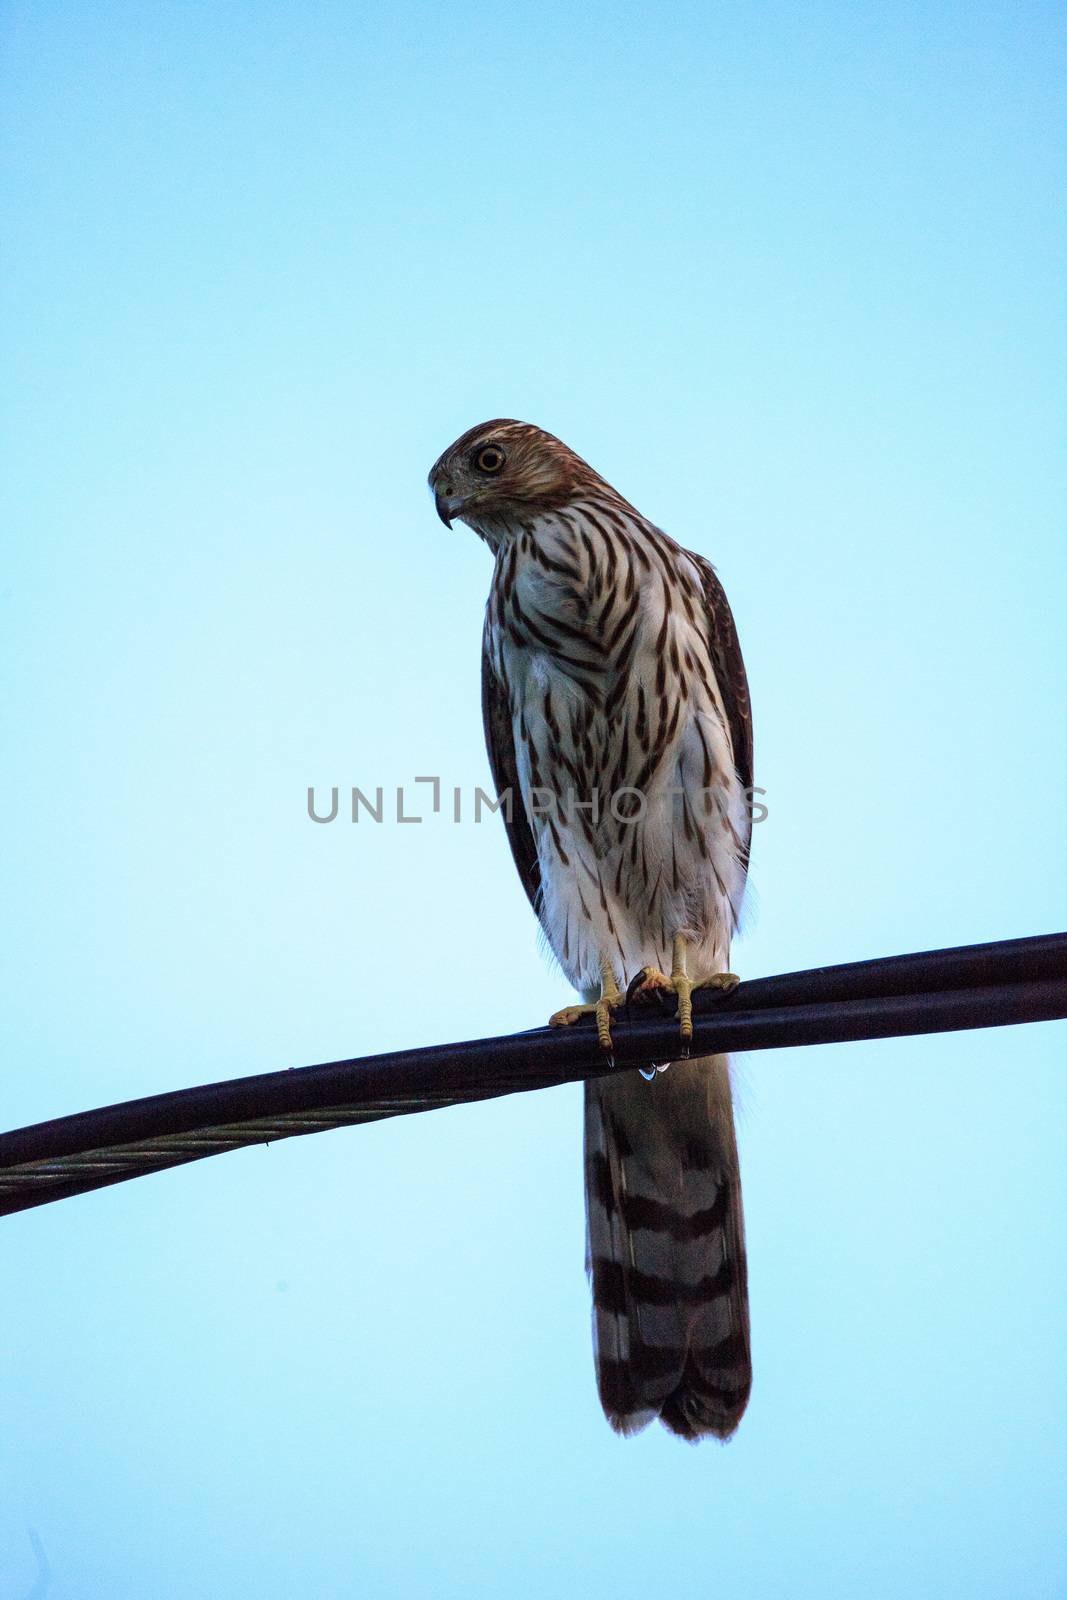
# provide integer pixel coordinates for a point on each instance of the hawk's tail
(666, 1250)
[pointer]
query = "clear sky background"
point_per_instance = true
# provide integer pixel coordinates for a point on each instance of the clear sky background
(790, 276)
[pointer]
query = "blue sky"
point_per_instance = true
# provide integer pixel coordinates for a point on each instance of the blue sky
(791, 278)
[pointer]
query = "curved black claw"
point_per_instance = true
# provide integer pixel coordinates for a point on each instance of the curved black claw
(664, 998)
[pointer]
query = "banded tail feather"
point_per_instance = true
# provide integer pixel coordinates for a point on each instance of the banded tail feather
(666, 1250)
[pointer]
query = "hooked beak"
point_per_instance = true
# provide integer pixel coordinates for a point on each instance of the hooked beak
(447, 505)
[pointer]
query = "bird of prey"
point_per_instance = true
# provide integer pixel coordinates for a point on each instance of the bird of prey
(617, 714)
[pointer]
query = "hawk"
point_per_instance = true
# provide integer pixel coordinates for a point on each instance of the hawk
(617, 714)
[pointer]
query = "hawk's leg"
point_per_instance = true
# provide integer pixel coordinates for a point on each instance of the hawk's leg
(610, 999)
(650, 981)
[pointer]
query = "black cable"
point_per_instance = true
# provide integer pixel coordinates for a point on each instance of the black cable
(974, 986)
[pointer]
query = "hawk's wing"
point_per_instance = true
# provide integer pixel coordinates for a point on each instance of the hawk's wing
(500, 743)
(729, 669)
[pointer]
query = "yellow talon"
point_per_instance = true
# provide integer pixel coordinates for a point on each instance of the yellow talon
(650, 982)
(726, 981)
(610, 999)
(568, 1016)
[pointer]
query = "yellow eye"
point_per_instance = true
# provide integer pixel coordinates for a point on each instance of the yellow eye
(490, 458)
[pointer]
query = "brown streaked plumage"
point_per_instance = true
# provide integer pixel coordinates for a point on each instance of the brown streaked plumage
(617, 713)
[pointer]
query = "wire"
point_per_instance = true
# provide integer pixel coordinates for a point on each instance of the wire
(973, 986)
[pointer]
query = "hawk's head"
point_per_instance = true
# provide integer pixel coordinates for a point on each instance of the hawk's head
(503, 471)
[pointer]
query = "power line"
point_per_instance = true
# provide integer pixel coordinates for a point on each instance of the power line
(938, 991)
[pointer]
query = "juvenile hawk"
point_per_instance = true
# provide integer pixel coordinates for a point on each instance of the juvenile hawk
(617, 712)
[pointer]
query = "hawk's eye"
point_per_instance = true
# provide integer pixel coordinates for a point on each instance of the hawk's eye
(490, 458)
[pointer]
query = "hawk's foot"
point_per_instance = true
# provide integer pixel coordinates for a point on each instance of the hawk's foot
(723, 981)
(600, 1009)
(652, 984)
(610, 1000)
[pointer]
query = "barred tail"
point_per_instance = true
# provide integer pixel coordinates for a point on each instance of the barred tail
(666, 1250)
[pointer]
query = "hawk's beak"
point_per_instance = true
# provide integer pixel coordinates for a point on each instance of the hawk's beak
(448, 505)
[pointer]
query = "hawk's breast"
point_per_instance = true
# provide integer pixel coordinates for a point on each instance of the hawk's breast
(622, 751)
